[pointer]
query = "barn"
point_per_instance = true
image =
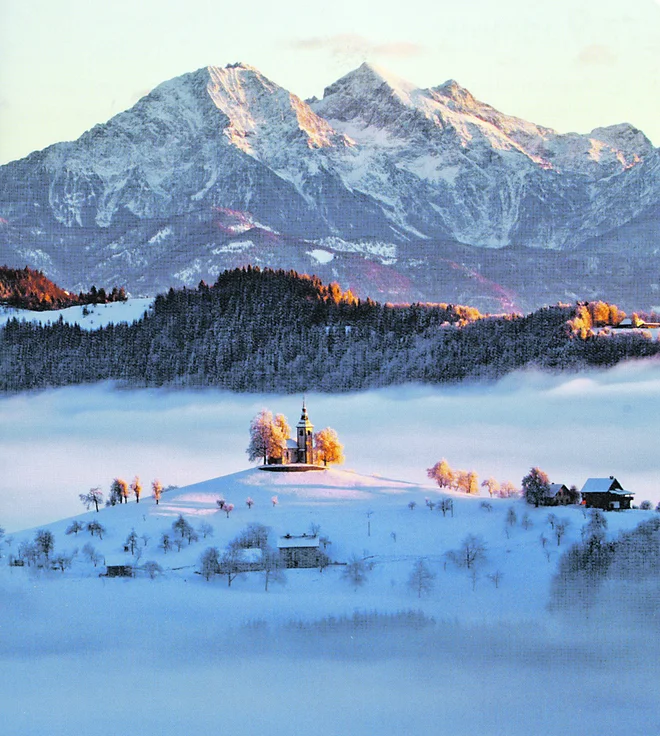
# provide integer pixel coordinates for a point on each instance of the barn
(118, 567)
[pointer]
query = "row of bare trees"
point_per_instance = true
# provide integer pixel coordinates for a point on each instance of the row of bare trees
(120, 492)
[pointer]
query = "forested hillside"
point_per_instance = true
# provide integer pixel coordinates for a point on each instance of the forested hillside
(26, 288)
(257, 330)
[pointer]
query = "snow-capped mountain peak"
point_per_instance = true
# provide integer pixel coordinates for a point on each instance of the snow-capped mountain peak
(260, 110)
(377, 160)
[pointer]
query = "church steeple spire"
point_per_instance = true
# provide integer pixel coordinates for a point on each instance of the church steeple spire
(305, 437)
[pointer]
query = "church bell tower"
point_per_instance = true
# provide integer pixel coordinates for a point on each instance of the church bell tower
(305, 438)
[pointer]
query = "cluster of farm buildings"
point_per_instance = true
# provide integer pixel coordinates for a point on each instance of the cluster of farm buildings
(597, 493)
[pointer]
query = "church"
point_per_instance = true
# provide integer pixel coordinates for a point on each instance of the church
(301, 450)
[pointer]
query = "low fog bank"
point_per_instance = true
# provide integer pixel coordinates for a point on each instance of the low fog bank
(58, 443)
(150, 663)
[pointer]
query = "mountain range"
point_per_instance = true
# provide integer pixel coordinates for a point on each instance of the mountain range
(396, 192)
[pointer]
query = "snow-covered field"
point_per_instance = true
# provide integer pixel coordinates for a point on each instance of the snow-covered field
(83, 654)
(89, 317)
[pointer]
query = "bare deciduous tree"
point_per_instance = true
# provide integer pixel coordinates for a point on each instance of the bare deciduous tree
(209, 562)
(153, 569)
(271, 567)
(131, 541)
(254, 535)
(93, 497)
(560, 530)
(96, 529)
(75, 527)
(45, 542)
(446, 505)
(91, 554)
(182, 526)
(232, 563)
(496, 578)
(355, 571)
(421, 578)
(471, 552)
(62, 561)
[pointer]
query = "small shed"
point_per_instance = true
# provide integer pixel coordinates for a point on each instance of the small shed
(300, 551)
(118, 567)
(606, 494)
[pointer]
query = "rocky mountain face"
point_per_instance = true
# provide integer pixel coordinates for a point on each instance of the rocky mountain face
(396, 192)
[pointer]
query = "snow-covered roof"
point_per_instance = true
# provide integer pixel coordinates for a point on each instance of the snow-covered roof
(289, 541)
(604, 485)
(555, 488)
(253, 554)
(118, 561)
(291, 443)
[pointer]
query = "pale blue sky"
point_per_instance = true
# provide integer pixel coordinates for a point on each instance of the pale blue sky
(66, 65)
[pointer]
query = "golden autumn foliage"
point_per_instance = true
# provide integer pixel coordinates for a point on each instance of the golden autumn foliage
(594, 314)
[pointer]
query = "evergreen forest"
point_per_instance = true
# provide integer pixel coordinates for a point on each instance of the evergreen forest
(264, 330)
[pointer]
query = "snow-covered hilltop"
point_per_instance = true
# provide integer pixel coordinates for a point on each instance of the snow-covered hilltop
(421, 172)
(412, 600)
(387, 523)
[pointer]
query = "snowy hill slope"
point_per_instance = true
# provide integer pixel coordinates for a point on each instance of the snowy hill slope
(89, 317)
(380, 657)
(150, 198)
(367, 516)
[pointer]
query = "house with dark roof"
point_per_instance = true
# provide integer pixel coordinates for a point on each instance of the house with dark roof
(559, 495)
(606, 494)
